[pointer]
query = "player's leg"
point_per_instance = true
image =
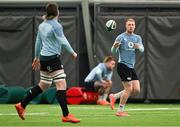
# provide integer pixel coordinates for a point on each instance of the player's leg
(118, 95)
(124, 97)
(98, 86)
(106, 92)
(135, 84)
(114, 97)
(59, 79)
(34, 92)
(126, 77)
(101, 91)
(136, 87)
(43, 85)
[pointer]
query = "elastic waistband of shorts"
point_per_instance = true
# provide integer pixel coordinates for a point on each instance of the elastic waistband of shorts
(122, 64)
(46, 58)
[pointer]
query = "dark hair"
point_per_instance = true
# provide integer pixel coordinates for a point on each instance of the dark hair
(109, 58)
(51, 11)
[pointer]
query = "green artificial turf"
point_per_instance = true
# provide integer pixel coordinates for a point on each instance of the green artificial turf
(94, 115)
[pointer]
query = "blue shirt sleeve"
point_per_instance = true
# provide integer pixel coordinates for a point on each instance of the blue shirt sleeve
(38, 45)
(66, 45)
(62, 39)
(95, 74)
(99, 74)
(109, 76)
(89, 77)
(119, 38)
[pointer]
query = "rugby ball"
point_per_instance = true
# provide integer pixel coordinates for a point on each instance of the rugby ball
(110, 25)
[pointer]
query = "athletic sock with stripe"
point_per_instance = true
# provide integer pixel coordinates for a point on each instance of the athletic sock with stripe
(121, 108)
(61, 97)
(34, 92)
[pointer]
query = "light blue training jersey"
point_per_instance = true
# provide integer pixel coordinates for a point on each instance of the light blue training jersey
(99, 73)
(50, 39)
(126, 50)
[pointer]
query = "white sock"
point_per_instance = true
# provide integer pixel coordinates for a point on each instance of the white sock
(104, 97)
(100, 98)
(121, 108)
(118, 95)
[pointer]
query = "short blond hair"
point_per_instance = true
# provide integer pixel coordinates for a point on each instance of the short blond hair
(109, 58)
(130, 19)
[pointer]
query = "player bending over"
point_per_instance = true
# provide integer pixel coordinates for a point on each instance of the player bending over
(126, 45)
(100, 79)
(50, 39)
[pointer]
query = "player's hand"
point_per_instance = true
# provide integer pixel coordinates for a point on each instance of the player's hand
(105, 84)
(74, 55)
(44, 17)
(136, 45)
(116, 44)
(109, 82)
(36, 64)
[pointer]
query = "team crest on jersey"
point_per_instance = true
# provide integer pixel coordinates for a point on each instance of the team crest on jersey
(130, 45)
(128, 78)
(49, 68)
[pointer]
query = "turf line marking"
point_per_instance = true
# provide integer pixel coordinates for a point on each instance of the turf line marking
(151, 109)
(28, 114)
(130, 109)
(76, 125)
(127, 109)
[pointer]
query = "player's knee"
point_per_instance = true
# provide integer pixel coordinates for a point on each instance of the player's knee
(61, 85)
(44, 87)
(129, 89)
(136, 92)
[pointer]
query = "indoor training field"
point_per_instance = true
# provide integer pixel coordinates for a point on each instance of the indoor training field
(89, 52)
(93, 115)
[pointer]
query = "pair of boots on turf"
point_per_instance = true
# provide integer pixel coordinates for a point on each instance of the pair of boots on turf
(61, 97)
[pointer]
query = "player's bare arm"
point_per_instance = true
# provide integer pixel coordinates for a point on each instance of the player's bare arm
(116, 44)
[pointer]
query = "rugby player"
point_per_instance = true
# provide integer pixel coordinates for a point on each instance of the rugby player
(100, 79)
(49, 43)
(126, 45)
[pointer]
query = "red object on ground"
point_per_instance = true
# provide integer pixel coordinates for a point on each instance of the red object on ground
(78, 95)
